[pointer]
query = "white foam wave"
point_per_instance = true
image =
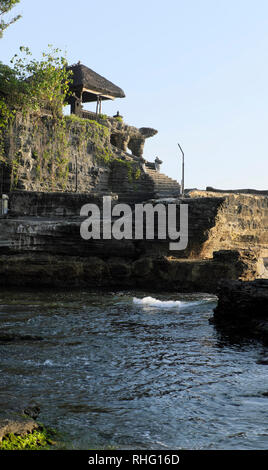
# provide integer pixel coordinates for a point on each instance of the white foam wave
(151, 302)
(175, 304)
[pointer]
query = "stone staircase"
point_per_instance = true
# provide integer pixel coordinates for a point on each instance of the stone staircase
(164, 186)
(150, 185)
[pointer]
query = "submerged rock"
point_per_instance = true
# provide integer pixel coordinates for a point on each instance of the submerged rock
(8, 337)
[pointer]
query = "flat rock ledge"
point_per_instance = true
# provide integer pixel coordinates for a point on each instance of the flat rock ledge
(153, 272)
(243, 308)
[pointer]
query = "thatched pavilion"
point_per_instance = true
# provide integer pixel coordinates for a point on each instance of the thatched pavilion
(88, 86)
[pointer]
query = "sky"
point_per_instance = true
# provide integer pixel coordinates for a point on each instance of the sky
(195, 70)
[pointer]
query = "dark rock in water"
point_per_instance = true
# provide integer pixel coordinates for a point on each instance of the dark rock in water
(8, 337)
(32, 411)
(243, 307)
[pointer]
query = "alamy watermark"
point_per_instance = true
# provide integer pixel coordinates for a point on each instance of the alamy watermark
(120, 221)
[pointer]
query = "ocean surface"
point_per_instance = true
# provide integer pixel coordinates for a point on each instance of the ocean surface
(132, 370)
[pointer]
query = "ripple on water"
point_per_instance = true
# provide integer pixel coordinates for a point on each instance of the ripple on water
(133, 370)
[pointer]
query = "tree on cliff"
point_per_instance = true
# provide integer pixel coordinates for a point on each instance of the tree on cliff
(5, 7)
(31, 85)
(42, 84)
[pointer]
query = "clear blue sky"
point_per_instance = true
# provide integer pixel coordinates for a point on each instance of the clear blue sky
(195, 70)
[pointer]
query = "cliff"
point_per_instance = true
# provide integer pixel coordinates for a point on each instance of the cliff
(75, 155)
(225, 223)
(51, 170)
(241, 221)
(121, 268)
(41, 243)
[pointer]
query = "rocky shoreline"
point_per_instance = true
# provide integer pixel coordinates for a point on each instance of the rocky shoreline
(243, 308)
(40, 270)
(19, 430)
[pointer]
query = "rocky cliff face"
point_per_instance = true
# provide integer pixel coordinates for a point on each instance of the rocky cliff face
(71, 155)
(241, 221)
(154, 273)
(44, 246)
(53, 171)
(215, 223)
(76, 155)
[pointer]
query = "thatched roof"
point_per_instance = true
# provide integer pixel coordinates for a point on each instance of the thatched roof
(90, 81)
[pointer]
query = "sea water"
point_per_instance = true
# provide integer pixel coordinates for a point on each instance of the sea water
(132, 370)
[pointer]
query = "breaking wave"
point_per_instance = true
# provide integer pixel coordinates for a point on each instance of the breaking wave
(151, 302)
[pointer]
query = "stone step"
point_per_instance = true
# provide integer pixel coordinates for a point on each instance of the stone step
(166, 189)
(167, 183)
(163, 181)
(159, 176)
(166, 194)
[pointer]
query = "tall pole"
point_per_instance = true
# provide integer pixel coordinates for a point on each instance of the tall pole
(182, 172)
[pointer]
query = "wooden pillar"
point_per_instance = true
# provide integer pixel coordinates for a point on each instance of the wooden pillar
(97, 107)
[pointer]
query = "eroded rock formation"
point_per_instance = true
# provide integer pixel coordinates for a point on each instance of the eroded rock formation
(75, 155)
(156, 273)
(241, 221)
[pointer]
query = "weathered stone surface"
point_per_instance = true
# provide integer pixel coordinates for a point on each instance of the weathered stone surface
(241, 221)
(59, 232)
(154, 273)
(85, 156)
(147, 132)
(43, 225)
(45, 158)
(243, 308)
(51, 204)
(19, 426)
(237, 191)
(127, 137)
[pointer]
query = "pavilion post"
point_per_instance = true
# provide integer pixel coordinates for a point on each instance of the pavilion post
(97, 107)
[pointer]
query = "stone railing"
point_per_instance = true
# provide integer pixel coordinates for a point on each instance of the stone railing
(90, 115)
(85, 114)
